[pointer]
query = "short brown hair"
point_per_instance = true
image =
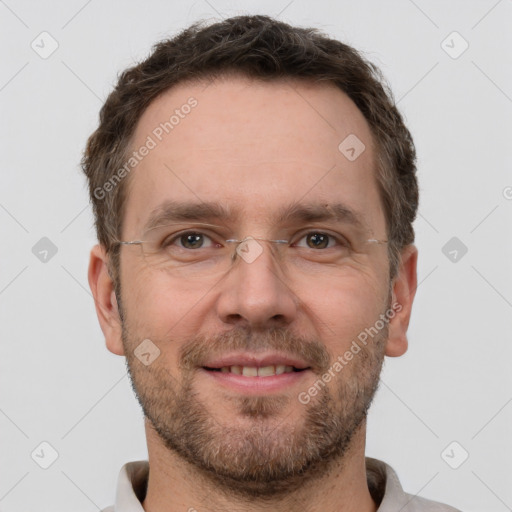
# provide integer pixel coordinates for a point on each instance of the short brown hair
(263, 48)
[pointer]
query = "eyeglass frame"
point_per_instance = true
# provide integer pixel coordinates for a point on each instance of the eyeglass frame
(234, 240)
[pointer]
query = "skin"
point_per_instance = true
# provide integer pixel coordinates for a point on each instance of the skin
(255, 146)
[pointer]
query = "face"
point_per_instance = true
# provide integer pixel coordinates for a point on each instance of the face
(249, 376)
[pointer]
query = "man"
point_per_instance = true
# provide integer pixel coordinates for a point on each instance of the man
(254, 191)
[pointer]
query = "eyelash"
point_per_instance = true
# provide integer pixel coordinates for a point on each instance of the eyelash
(342, 241)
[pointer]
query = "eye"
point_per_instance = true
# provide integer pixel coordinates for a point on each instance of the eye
(320, 240)
(189, 240)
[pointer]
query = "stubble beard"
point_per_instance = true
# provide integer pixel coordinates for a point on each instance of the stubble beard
(271, 458)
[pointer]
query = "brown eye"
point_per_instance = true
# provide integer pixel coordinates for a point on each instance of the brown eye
(191, 240)
(317, 240)
(321, 240)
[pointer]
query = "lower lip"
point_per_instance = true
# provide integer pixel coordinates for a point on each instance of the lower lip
(257, 385)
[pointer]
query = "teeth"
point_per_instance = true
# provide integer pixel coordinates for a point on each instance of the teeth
(253, 371)
(249, 371)
(266, 371)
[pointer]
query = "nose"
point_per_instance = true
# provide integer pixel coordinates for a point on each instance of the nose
(256, 292)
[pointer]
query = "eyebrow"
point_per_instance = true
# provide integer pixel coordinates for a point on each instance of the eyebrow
(177, 211)
(320, 212)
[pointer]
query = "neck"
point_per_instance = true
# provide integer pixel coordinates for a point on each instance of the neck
(176, 485)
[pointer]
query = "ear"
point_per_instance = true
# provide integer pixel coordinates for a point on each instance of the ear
(102, 288)
(404, 290)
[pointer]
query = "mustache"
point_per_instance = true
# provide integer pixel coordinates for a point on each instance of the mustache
(197, 351)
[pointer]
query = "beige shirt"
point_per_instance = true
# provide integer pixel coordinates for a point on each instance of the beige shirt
(383, 483)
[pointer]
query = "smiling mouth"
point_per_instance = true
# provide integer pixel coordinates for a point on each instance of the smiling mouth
(254, 371)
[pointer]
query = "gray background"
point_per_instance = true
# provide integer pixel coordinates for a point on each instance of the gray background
(59, 384)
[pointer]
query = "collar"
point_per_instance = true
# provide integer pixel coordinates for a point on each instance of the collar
(383, 483)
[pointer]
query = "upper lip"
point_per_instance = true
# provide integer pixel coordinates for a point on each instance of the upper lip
(256, 360)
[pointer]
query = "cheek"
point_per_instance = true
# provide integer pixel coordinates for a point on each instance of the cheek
(156, 307)
(344, 309)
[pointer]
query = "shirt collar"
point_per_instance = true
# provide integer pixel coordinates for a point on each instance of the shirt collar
(131, 486)
(382, 481)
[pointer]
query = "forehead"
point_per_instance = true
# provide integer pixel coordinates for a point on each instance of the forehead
(252, 146)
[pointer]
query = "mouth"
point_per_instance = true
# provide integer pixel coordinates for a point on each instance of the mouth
(256, 374)
(255, 371)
